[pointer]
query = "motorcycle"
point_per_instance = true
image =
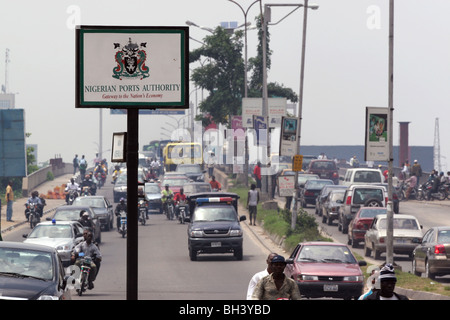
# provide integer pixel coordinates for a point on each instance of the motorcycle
(414, 194)
(182, 207)
(142, 207)
(170, 208)
(84, 273)
(33, 215)
(73, 194)
(86, 191)
(123, 224)
(441, 193)
(101, 178)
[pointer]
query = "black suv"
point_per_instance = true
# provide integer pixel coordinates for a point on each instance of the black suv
(214, 225)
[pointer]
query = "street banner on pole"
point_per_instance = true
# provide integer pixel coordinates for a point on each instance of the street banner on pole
(288, 136)
(377, 133)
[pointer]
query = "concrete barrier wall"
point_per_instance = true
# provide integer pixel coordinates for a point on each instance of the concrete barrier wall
(32, 181)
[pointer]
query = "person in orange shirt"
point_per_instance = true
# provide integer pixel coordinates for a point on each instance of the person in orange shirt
(215, 185)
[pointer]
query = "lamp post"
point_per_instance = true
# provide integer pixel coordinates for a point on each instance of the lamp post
(266, 21)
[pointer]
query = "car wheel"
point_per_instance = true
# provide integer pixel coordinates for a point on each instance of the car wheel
(414, 268)
(428, 274)
(367, 250)
(238, 253)
(192, 254)
(376, 254)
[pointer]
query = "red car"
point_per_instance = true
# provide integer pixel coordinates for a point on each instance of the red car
(361, 223)
(175, 182)
(326, 269)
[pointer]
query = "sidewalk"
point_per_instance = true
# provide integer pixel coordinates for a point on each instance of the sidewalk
(18, 215)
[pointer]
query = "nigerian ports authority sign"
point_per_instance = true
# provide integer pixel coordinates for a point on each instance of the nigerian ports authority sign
(132, 67)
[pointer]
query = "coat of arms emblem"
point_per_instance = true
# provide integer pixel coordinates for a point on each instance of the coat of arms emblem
(130, 61)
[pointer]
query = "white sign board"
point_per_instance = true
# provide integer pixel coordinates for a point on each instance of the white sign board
(286, 186)
(288, 136)
(132, 67)
(254, 107)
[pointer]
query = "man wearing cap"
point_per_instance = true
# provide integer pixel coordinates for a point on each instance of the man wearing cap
(276, 286)
(387, 280)
(259, 275)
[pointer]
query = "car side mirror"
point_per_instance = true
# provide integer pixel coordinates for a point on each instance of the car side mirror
(362, 263)
(290, 261)
(25, 235)
(242, 218)
(187, 219)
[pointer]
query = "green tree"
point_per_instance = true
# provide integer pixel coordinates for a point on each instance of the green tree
(222, 75)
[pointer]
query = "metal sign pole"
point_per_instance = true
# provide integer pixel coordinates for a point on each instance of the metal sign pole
(132, 200)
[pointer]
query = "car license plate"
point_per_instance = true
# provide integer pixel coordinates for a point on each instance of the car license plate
(330, 287)
(400, 241)
(216, 244)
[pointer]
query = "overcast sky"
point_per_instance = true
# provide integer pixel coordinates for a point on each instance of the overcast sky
(346, 66)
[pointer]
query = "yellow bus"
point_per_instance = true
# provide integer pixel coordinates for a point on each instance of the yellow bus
(175, 153)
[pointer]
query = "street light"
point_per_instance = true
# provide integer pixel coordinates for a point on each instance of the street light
(193, 24)
(266, 20)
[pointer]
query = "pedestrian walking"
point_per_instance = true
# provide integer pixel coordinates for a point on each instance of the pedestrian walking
(76, 164)
(9, 195)
(259, 275)
(211, 164)
(252, 203)
(387, 280)
(83, 166)
(257, 174)
(276, 286)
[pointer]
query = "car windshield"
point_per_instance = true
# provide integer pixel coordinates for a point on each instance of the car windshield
(367, 212)
(325, 253)
(444, 236)
(400, 223)
(317, 183)
(367, 176)
(323, 165)
(67, 215)
(152, 188)
(194, 188)
(26, 263)
(364, 194)
(335, 196)
(219, 213)
(189, 169)
(90, 202)
(175, 182)
(51, 231)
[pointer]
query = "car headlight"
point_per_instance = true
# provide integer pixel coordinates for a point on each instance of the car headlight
(306, 277)
(63, 248)
(235, 232)
(196, 233)
(354, 278)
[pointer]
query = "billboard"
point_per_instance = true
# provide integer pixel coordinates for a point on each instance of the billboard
(132, 67)
(12, 143)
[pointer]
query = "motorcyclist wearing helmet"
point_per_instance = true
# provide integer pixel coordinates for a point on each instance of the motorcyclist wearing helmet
(85, 221)
(34, 199)
(122, 206)
(90, 250)
(166, 194)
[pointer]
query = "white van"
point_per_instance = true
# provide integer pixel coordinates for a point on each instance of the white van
(362, 176)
